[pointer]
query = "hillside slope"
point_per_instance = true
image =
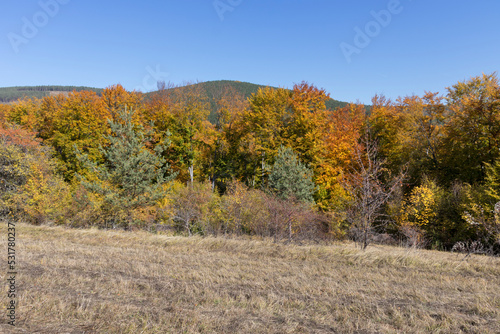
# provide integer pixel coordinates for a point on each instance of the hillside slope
(214, 90)
(95, 281)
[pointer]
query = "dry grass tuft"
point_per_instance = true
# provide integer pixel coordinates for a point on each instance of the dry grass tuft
(93, 281)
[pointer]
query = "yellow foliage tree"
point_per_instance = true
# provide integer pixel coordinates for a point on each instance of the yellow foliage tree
(45, 197)
(279, 117)
(419, 208)
(30, 189)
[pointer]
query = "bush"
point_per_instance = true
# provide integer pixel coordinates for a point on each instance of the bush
(432, 215)
(295, 220)
(191, 208)
(195, 208)
(244, 211)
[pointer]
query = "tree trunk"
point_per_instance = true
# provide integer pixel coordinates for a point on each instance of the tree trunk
(365, 239)
(262, 170)
(187, 227)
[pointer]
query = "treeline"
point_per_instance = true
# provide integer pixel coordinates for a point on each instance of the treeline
(424, 170)
(9, 94)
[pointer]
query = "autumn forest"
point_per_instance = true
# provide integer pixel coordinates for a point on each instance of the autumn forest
(420, 171)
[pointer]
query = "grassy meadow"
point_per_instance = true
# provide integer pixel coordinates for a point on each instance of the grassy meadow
(97, 281)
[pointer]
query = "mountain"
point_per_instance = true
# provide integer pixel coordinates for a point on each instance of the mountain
(214, 90)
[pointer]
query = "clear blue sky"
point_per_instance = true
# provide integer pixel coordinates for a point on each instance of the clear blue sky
(423, 46)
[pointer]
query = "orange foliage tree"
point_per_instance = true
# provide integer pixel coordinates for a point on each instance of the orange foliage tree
(340, 134)
(410, 132)
(25, 113)
(282, 117)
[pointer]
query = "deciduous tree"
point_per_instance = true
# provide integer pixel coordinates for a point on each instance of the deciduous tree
(473, 129)
(369, 188)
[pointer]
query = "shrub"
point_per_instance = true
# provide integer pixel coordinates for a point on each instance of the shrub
(191, 208)
(244, 211)
(294, 220)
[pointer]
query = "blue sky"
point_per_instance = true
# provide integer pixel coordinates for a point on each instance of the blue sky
(414, 46)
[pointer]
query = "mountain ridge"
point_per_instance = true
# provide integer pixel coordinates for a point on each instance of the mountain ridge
(213, 90)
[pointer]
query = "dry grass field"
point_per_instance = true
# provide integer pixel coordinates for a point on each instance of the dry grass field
(93, 281)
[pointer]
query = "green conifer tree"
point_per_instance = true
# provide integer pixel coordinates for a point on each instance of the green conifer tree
(132, 175)
(289, 178)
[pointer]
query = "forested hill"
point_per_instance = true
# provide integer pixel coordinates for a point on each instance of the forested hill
(214, 90)
(9, 94)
